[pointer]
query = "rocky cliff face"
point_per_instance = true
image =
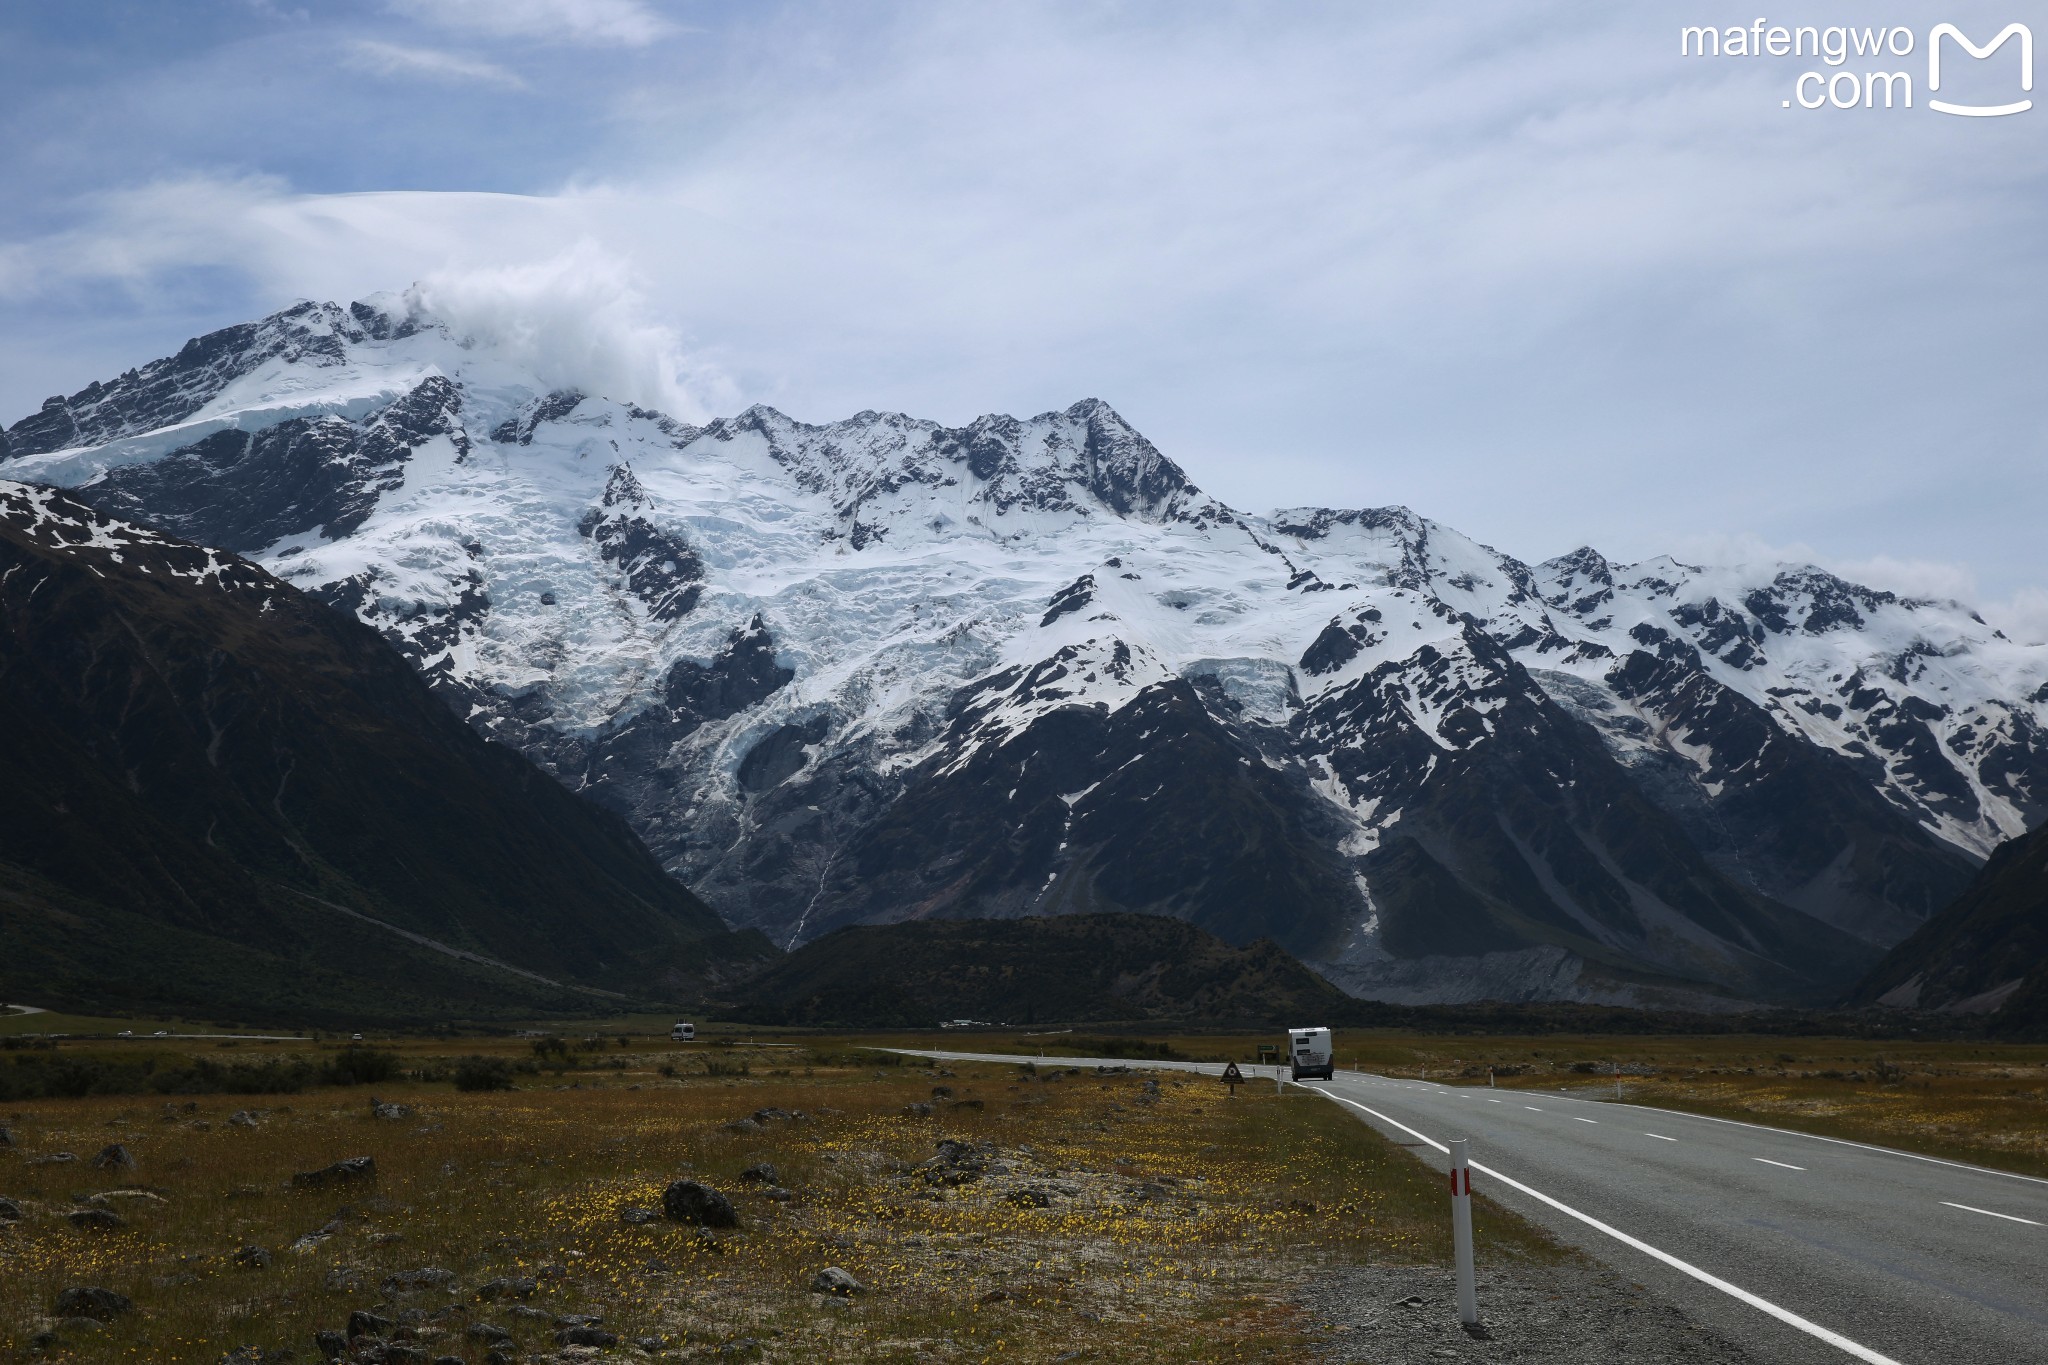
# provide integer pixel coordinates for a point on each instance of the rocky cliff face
(218, 794)
(1985, 953)
(883, 669)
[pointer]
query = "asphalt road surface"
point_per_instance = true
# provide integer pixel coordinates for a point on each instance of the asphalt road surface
(1800, 1248)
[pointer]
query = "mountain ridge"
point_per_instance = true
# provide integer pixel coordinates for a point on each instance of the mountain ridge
(758, 639)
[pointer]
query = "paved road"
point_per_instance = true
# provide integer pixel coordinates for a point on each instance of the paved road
(1801, 1248)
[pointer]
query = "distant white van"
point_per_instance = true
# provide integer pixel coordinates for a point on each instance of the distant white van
(683, 1033)
(1311, 1054)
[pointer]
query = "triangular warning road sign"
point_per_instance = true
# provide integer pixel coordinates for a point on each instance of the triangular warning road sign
(1231, 1075)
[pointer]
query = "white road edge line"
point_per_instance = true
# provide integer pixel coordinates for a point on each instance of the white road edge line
(2010, 1218)
(1840, 1142)
(1784, 1315)
(1786, 1164)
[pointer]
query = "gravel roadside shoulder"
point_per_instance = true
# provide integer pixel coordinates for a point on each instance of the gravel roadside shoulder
(1575, 1312)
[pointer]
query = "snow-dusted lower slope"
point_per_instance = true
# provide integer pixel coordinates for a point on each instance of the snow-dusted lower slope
(882, 668)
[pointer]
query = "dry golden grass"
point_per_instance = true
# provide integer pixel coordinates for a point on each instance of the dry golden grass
(1176, 1222)
(1969, 1101)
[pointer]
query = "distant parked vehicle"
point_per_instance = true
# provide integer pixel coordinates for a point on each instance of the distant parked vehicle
(355, 1037)
(1311, 1054)
(683, 1033)
(127, 1033)
(161, 1033)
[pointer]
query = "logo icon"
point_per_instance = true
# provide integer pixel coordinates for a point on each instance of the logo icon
(2021, 31)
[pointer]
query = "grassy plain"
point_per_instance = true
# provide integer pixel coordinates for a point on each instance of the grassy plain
(1120, 1217)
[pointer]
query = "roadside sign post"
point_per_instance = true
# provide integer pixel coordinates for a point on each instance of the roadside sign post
(1461, 1233)
(1233, 1078)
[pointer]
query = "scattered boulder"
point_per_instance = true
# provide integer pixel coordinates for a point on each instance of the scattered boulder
(6, 1137)
(489, 1333)
(414, 1281)
(958, 1163)
(585, 1336)
(743, 1126)
(688, 1201)
(10, 1212)
(766, 1116)
(97, 1220)
(253, 1257)
(241, 1118)
(917, 1111)
(315, 1237)
(1029, 1198)
(53, 1159)
(83, 1301)
(330, 1344)
(957, 1105)
(379, 1109)
(760, 1173)
(363, 1323)
(114, 1157)
(346, 1171)
(639, 1217)
(776, 1194)
(507, 1287)
(345, 1279)
(942, 1092)
(832, 1280)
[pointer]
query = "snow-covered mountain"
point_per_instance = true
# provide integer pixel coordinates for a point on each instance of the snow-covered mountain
(881, 669)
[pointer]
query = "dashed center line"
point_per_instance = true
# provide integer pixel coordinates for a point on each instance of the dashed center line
(2008, 1217)
(1577, 1119)
(1532, 1109)
(1660, 1137)
(1786, 1164)
(1493, 1101)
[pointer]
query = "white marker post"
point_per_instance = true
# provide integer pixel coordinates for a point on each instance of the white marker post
(1461, 1234)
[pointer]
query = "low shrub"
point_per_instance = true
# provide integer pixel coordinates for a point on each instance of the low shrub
(483, 1073)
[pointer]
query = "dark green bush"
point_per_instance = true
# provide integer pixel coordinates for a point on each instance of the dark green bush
(355, 1065)
(483, 1073)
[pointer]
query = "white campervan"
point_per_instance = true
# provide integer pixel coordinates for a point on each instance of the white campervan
(1310, 1053)
(683, 1033)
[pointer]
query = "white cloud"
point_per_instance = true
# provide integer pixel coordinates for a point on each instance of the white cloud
(578, 321)
(393, 59)
(2023, 616)
(627, 23)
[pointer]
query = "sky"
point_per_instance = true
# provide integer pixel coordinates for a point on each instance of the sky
(1521, 266)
